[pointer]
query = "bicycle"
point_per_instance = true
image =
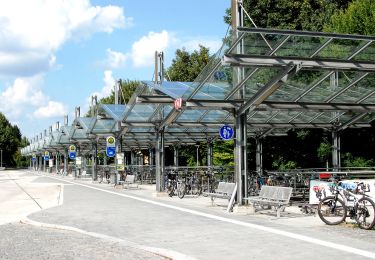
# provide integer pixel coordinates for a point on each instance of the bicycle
(207, 183)
(171, 183)
(104, 174)
(344, 202)
(189, 185)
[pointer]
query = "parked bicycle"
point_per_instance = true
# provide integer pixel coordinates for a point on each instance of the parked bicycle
(189, 184)
(171, 183)
(348, 200)
(104, 176)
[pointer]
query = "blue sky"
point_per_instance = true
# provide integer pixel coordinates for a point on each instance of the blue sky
(55, 54)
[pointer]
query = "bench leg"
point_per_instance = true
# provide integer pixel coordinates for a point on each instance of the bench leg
(212, 200)
(278, 212)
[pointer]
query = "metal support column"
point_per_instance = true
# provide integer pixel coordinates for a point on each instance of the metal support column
(240, 156)
(151, 155)
(209, 153)
(336, 156)
(44, 165)
(159, 161)
(259, 156)
(244, 155)
(132, 161)
(65, 162)
(94, 159)
(118, 150)
(175, 155)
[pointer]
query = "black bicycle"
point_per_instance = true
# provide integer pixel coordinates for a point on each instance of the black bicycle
(171, 184)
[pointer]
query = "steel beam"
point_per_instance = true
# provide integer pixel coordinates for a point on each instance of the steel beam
(305, 33)
(310, 63)
(314, 106)
(267, 90)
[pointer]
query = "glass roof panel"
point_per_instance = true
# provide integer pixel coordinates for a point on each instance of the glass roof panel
(259, 44)
(190, 116)
(216, 116)
(141, 112)
(116, 112)
(103, 126)
(86, 122)
(302, 46)
(340, 49)
(259, 79)
(80, 134)
(367, 54)
(173, 89)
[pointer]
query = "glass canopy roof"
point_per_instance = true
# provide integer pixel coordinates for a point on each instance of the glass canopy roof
(280, 79)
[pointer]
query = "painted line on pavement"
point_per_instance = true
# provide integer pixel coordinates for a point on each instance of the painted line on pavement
(311, 240)
(170, 254)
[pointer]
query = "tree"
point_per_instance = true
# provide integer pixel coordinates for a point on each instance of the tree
(127, 88)
(10, 141)
(291, 14)
(358, 18)
(187, 66)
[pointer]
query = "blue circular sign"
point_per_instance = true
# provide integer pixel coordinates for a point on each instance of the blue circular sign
(111, 151)
(72, 155)
(226, 132)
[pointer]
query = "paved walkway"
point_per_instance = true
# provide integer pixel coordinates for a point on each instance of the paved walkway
(192, 227)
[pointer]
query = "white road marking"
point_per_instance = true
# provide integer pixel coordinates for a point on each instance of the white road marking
(320, 242)
(155, 250)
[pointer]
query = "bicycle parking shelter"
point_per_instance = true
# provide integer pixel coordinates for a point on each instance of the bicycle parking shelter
(262, 82)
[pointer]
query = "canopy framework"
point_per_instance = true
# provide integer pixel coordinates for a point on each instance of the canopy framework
(264, 82)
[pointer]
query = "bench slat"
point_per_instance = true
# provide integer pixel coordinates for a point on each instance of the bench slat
(273, 196)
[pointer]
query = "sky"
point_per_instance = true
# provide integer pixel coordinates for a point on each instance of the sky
(56, 54)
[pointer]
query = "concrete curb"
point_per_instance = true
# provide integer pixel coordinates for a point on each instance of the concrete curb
(167, 253)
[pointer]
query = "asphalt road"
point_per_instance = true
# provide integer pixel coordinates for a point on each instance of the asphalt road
(192, 228)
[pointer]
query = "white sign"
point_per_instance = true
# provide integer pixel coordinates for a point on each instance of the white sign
(320, 189)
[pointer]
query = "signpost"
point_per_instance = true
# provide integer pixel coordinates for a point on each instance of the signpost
(226, 132)
(72, 152)
(46, 155)
(120, 165)
(111, 146)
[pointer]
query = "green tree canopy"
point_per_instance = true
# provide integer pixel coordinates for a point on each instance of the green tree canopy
(358, 18)
(127, 88)
(10, 141)
(291, 14)
(187, 66)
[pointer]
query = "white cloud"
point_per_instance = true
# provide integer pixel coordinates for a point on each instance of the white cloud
(52, 109)
(25, 95)
(115, 59)
(24, 92)
(109, 83)
(143, 50)
(193, 44)
(30, 36)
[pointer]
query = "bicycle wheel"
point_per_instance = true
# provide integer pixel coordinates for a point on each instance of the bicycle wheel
(332, 211)
(170, 188)
(181, 189)
(196, 188)
(365, 213)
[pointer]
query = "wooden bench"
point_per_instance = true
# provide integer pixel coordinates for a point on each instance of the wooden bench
(272, 196)
(224, 191)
